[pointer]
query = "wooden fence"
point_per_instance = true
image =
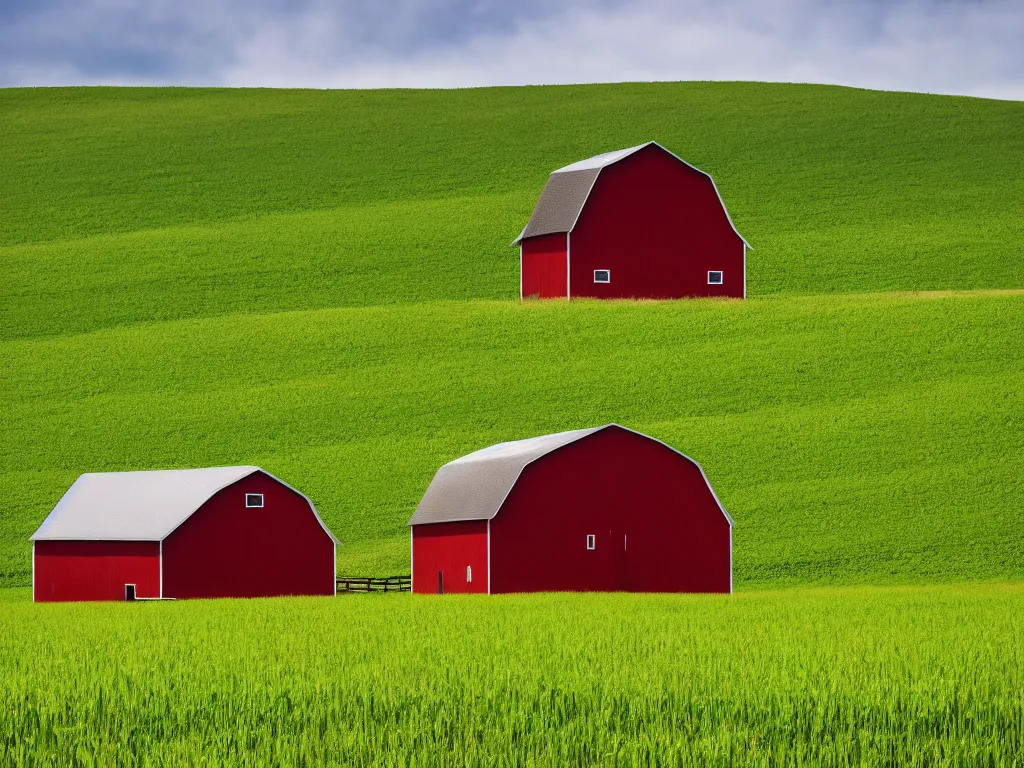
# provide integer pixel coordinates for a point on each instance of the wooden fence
(382, 584)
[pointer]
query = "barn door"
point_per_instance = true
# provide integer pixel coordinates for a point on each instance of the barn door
(620, 566)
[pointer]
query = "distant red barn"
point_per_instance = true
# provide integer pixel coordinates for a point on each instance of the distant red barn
(634, 223)
(603, 509)
(190, 533)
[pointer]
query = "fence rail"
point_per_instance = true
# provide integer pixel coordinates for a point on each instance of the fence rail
(368, 584)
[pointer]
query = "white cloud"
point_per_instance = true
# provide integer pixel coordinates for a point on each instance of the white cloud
(935, 45)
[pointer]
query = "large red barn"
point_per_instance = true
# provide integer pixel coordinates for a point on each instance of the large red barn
(185, 533)
(592, 510)
(634, 223)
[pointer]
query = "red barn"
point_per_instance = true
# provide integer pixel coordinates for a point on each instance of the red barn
(181, 533)
(634, 223)
(592, 510)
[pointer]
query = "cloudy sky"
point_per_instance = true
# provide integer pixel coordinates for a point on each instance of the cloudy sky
(942, 46)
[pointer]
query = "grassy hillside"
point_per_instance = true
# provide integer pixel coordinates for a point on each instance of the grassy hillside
(194, 203)
(319, 283)
(854, 438)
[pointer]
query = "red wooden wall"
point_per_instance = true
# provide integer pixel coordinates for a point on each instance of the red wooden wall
(659, 226)
(227, 550)
(544, 266)
(657, 525)
(72, 571)
(448, 548)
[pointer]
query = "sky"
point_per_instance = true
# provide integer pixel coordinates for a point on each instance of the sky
(971, 47)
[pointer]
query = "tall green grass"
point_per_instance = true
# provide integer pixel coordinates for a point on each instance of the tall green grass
(865, 677)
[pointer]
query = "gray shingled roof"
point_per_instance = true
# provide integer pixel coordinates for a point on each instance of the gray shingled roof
(475, 486)
(138, 506)
(560, 203)
(568, 188)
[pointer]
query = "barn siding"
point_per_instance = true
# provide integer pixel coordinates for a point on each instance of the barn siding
(613, 484)
(659, 226)
(228, 550)
(448, 548)
(544, 267)
(74, 571)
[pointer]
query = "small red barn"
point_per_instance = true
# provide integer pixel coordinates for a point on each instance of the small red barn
(592, 510)
(182, 533)
(634, 223)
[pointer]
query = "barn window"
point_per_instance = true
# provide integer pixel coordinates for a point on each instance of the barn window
(591, 541)
(469, 573)
(254, 500)
(715, 278)
(602, 275)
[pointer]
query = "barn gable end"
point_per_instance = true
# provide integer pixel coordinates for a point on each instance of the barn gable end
(546, 500)
(229, 549)
(638, 223)
(219, 532)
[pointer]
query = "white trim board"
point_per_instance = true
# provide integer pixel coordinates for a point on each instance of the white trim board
(520, 270)
(568, 267)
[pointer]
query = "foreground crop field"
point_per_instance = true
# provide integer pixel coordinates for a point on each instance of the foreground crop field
(894, 676)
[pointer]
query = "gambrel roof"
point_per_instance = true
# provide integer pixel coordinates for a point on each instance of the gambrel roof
(139, 506)
(474, 486)
(568, 188)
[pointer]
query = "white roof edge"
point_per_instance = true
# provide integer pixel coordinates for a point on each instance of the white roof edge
(595, 430)
(588, 164)
(210, 496)
(35, 536)
(309, 501)
(33, 539)
(695, 463)
(630, 151)
(519, 238)
(312, 506)
(497, 509)
(720, 201)
(252, 470)
(535, 459)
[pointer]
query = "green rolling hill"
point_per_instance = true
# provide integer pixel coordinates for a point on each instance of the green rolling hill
(319, 283)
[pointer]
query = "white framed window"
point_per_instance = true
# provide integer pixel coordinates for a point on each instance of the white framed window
(602, 275)
(591, 541)
(469, 574)
(254, 501)
(716, 278)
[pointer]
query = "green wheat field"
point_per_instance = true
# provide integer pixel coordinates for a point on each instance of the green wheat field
(319, 283)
